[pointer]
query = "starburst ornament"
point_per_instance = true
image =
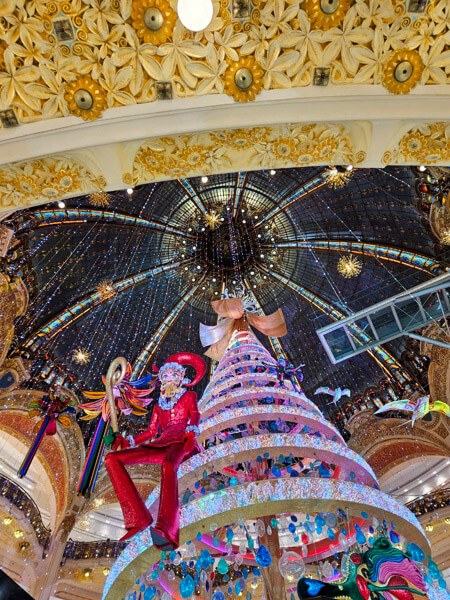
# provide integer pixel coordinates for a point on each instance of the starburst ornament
(212, 219)
(349, 266)
(81, 356)
(106, 288)
(337, 179)
(99, 199)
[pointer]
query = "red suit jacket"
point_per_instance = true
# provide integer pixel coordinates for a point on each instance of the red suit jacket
(173, 423)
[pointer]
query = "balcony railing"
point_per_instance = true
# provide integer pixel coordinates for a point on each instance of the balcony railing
(429, 502)
(95, 549)
(22, 500)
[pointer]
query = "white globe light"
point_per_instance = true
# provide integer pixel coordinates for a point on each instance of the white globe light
(195, 14)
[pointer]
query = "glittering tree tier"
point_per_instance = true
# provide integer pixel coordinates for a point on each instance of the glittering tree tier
(275, 491)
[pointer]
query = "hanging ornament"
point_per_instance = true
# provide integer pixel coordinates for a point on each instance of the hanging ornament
(260, 528)
(263, 557)
(222, 567)
(331, 520)
(291, 566)
(187, 587)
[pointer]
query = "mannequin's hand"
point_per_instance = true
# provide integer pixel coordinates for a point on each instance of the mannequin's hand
(120, 443)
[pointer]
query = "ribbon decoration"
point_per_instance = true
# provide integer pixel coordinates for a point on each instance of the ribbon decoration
(234, 317)
(51, 409)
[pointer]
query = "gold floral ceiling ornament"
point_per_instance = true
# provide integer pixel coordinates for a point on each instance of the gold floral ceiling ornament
(99, 199)
(325, 14)
(153, 20)
(349, 266)
(445, 236)
(402, 71)
(243, 79)
(85, 98)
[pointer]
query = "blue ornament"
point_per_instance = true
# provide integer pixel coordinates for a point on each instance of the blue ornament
(292, 528)
(276, 471)
(364, 515)
(360, 537)
(233, 481)
(237, 588)
(259, 459)
(187, 587)
(394, 537)
(263, 557)
(222, 567)
(149, 593)
(216, 542)
(442, 584)
(218, 595)
(319, 529)
(330, 534)
(230, 534)
(417, 554)
(142, 588)
(155, 574)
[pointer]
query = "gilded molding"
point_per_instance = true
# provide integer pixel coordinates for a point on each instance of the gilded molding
(46, 46)
(426, 143)
(251, 148)
(45, 179)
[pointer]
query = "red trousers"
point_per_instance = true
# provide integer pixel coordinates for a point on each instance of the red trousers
(135, 513)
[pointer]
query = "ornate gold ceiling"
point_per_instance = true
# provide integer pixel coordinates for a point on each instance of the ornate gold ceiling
(81, 57)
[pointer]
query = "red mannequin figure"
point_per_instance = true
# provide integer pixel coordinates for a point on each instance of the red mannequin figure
(177, 415)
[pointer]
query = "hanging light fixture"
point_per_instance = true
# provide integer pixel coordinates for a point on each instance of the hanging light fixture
(195, 15)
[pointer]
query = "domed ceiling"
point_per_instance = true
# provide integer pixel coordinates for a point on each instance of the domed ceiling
(134, 274)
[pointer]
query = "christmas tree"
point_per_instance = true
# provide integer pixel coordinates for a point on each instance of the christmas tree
(275, 495)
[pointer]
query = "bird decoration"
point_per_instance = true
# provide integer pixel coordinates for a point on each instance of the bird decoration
(51, 408)
(283, 368)
(419, 407)
(337, 393)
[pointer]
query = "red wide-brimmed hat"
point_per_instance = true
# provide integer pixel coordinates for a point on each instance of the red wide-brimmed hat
(182, 359)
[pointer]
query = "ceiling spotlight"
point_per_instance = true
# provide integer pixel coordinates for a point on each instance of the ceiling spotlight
(61, 204)
(422, 168)
(214, 280)
(254, 286)
(203, 287)
(256, 217)
(259, 235)
(195, 15)
(203, 229)
(190, 229)
(234, 281)
(252, 272)
(261, 255)
(243, 220)
(350, 168)
(129, 191)
(216, 293)
(272, 171)
(204, 179)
